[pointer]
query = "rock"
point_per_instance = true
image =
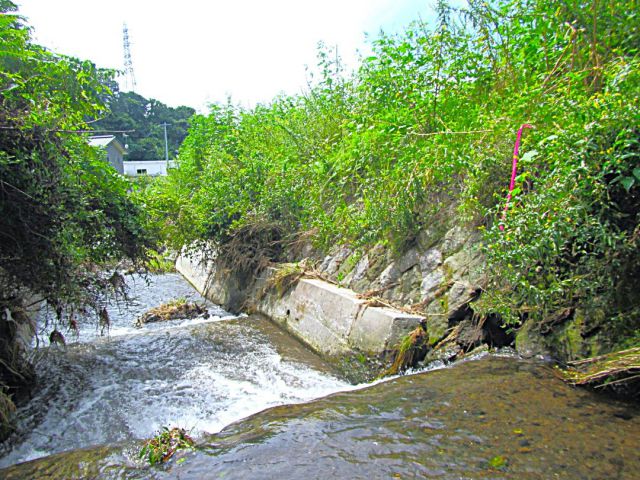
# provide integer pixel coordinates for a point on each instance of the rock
(430, 260)
(530, 343)
(471, 335)
(454, 239)
(409, 260)
(466, 264)
(395, 269)
(360, 270)
(307, 250)
(378, 260)
(345, 272)
(448, 309)
(565, 340)
(459, 296)
(332, 263)
(446, 354)
(437, 321)
(430, 236)
(407, 291)
(430, 285)
(389, 275)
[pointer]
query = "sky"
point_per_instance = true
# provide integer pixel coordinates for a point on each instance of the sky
(196, 52)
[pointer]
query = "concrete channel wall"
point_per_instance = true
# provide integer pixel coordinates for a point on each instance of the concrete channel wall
(331, 319)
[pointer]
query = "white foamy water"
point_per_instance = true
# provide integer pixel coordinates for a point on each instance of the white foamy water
(200, 374)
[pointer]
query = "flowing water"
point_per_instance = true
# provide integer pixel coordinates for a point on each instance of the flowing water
(199, 374)
(492, 417)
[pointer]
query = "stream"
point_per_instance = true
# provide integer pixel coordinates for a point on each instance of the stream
(261, 405)
(199, 374)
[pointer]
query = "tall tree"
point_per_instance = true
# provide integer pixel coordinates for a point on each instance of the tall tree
(130, 111)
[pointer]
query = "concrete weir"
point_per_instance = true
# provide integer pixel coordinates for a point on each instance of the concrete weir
(331, 319)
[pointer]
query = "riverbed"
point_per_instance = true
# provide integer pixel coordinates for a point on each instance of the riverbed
(263, 406)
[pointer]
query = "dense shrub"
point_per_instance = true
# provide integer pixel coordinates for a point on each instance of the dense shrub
(428, 121)
(64, 211)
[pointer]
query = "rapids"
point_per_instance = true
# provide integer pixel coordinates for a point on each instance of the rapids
(286, 416)
(199, 374)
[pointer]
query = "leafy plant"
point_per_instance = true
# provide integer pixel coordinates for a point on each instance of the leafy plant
(165, 444)
(421, 134)
(159, 263)
(64, 212)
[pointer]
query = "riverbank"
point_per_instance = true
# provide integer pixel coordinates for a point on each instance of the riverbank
(398, 310)
(480, 172)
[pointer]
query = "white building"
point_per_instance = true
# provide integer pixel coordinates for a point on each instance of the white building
(113, 148)
(145, 167)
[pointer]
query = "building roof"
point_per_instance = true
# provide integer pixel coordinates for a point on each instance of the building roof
(106, 140)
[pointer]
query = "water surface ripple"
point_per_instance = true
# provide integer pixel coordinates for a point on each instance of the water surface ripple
(490, 418)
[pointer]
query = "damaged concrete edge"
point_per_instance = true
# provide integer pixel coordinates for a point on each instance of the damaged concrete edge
(331, 319)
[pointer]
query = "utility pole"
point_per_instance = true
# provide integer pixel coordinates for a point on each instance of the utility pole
(166, 143)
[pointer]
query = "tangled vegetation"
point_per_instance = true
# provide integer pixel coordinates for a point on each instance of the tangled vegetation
(607, 371)
(165, 444)
(64, 211)
(428, 121)
(178, 308)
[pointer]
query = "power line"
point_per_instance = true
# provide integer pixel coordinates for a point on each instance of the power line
(8, 127)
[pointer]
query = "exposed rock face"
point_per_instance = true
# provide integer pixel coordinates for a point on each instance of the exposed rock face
(440, 276)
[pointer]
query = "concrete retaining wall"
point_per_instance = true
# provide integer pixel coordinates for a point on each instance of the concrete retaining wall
(330, 319)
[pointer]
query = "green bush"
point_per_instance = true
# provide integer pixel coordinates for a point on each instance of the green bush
(63, 208)
(428, 121)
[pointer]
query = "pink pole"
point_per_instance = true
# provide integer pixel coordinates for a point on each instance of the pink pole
(514, 171)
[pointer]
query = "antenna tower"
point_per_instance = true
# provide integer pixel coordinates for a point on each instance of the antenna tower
(130, 79)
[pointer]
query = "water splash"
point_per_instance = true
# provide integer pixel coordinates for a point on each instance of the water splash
(199, 374)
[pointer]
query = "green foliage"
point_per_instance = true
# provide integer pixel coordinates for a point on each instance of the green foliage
(165, 444)
(159, 263)
(428, 121)
(573, 239)
(63, 209)
(130, 111)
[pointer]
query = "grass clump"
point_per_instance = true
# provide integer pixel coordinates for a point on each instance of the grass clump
(287, 276)
(410, 350)
(165, 444)
(619, 369)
